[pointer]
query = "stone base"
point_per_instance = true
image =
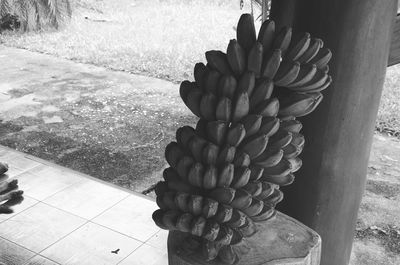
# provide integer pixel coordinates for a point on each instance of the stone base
(282, 240)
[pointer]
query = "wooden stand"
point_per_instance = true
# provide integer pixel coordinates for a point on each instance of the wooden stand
(282, 240)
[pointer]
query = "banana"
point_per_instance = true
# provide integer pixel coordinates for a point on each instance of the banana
(295, 163)
(248, 229)
(266, 34)
(195, 205)
(184, 166)
(227, 255)
(323, 87)
(173, 153)
(169, 219)
(160, 188)
(255, 58)
(325, 69)
(282, 39)
(280, 140)
(210, 207)
(241, 107)
(226, 155)
(266, 214)
(255, 208)
(201, 128)
(306, 74)
(224, 213)
(183, 136)
(198, 225)
(272, 61)
(196, 146)
(212, 81)
(195, 175)
(280, 180)
(238, 219)
(269, 158)
(216, 131)
(269, 126)
(262, 91)
(210, 249)
(252, 124)
(235, 135)
(236, 57)
(210, 178)
(157, 218)
(183, 223)
(218, 61)
(184, 89)
(224, 236)
(208, 106)
(211, 230)
(253, 187)
(225, 176)
(281, 169)
(293, 126)
(241, 177)
(160, 202)
(268, 107)
(179, 185)
(274, 198)
(193, 100)
(287, 73)
(182, 201)
(242, 199)
(246, 32)
(200, 73)
(168, 200)
(222, 195)
(322, 58)
(224, 109)
(298, 140)
(267, 190)
(254, 145)
(169, 174)
(319, 79)
(246, 83)
(299, 105)
(256, 172)
(311, 52)
(210, 154)
(241, 159)
(291, 151)
(298, 48)
(227, 86)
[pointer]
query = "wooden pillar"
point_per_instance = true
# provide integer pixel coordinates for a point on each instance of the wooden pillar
(328, 189)
(282, 12)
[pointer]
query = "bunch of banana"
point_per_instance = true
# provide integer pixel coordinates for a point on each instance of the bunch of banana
(225, 173)
(10, 195)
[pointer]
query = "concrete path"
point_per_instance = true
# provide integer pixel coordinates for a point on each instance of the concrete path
(108, 124)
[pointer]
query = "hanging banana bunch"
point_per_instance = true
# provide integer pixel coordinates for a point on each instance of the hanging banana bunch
(225, 173)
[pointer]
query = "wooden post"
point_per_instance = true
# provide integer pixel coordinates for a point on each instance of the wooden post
(282, 240)
(328, 189)
(282, 12)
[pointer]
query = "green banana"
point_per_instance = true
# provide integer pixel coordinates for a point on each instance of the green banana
(287, 73)
(193, 100)
(169, 219)
(255, 58)
(210, 207)
(323, 87)
(272, 61)
(184, 89)
(227, 255)
(241, 159)
(182, 201)
(295, 163)
(160, 188)
(283, 38)
(208, 106)
(322, 58)
(266, 214)
(246, 32)
(280, 139)
(173, 153)
(195, 175)
(196, 146)
(262, 91)
(218, 61)
(195, 205)
(235, 135)
(200, 73)
(293, 126)
(224, 236)
(253, 187)
(226, 155)
(256, 172)
(254, 145)
(298, 48)
(183, 223)
(268, 107)
(298, 105)
(210, 178)
(252, 124)
(266, 34)
(280, 180)
(168, 199)
(212, 81)
(198, 225)
(222, 195)
(306, 74)
(269, 126)
(311, 52)
(318, 80)
(267, 190)
(291, 151)
(224, 213)
(184, 166)
(255, 208)
(242, 199)
(210, 249)
(246, 83)
(283, 168)
(274, 198)
(226, 176)
(224, 109)
(241, 177)
(269, 158)
(227, 86)
(236, 57)
(183, 136)
(298, 140)
(216, 131)
(210, 154)
(201, 128)
(157, 218)
(241, 107)
(238, 219)
(248, 229)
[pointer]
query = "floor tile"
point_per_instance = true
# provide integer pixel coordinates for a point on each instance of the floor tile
(39, 226)
(92, 245)
(12, 254)
(132, 217)
(87, 198)
(45, 183)
(146, 255)
(159, 240)
(21, 162)
(39, 260)
(25, 204)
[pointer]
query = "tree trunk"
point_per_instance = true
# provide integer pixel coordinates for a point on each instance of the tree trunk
(328, 189)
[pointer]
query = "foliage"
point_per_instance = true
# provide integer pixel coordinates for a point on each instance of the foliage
(37, 14)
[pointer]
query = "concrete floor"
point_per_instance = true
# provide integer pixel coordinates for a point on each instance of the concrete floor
(70, 218)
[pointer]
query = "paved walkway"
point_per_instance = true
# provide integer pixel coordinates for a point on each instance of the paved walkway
(71, 218)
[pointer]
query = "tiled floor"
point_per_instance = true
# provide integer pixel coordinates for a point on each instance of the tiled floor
(70, 218)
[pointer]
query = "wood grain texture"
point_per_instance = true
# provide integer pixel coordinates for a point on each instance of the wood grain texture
(327, 192)
(281, 240)
(394, 55)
